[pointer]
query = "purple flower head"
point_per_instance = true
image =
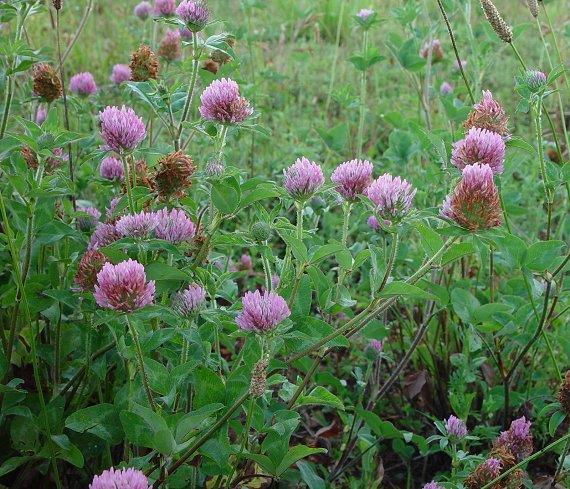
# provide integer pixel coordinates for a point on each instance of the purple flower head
(174, 226)
(365, 13)
(169, 48)
(488, 114)
(137, 225)
(492, 467)
(120, 479)
(375, 345)
(455, 427)
(479, 146)
(123, 287)
(275, 281)
(120, 74)
(56, 159)
(143, 10)
(221, 102)
(194, 13)
(111, 168)
(189, 300)
(83, 84)
(432, 485)
(435, 48)
(164, 8)
(121, 129)
(262, 311)
(534, 79)
(445, 88)
(391, 196)
(186, 33)
(110, 211)
(303, 178)
(474, 203)
(41, 115)
(88, 222)
(517, 439)
(374, 224)
(104, 234)
(352, 177)
(456, 64)
(245, 262)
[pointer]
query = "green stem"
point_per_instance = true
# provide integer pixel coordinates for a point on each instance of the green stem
(391, 260)
(316, 362)
(193, 78)
(245, 438)
(7, 105)
(299, 208)
(556, 47)
(128, 183)
(547, 197)
(362, 107)
(532, 457)
(335, 56)
(140, 361)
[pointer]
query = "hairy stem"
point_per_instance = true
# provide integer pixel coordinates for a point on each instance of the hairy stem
(140, 361)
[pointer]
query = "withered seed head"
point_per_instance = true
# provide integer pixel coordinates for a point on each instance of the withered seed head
(56, 4)
(172, 177)
(258, 379)
(144, 64)
(211, 66)
(564, 393)
(89, 266)
(497, 23)
(47, 84)
(533, 7)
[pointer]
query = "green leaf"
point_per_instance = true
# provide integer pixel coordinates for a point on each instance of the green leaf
(336, 137)
(12, 464)
(161, 271)
(325, 251)
(542, 255)
(320, 396)
(457, 251)
(431, 241)
(397, 288)
(464, 303)
(225, 197)
(158, 376)
(294, 454)
(101, 420)
(310, 476)
(209, 388)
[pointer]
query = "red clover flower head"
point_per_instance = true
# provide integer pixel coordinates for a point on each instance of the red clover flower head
(174, 226)
(111, 168)
(262, 312)
(517, 439)
(391, 196)
(164, 8)
(83, 84)
(432, 485)
(120, 479)
(352, 177)
(120, 73)
(143, 10)
(221, 102)
(137, 225)
(104, 234)
(474, 203)
(89, 266)
(436, 50)
(479, 146)
(41, 115)
(534, 79)
(189, 300)
(303, 178)
(169, 48)
(455, 427)
(375, 345)
(365, 13)
(488, 114)
(123, 287)
(90, 221)
(194, 14)
(446, 88)
(121, 129)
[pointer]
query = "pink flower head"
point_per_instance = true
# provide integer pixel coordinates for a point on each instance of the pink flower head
(143, 10)
(474, 203)
(376, 345)
(303, 178)
(373, 223)
(262, 311)
(275, 281)
(174, 226)
(120, 479)
(221, 102)
(488, 114)
(479, 146)
(56, 159)
(435, 48)
(164, 8)
(111, 168)
(137, 225)
(83, 84)
(104, 234)
(455, 427)
(517, 439)
(194, 14)
(123, 287)
(445, 88)
(245, 262)
(391, 196)
(535, 79)
(88, 222)
(352, 177)
(41, 115)
(365, 13)
(491, 468)
(110, 211)
(186, 33)
(120, 74)
(432, 485)
(189, 300)
(121, 129)
(456, 65)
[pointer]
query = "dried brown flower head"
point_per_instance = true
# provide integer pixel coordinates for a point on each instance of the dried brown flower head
(89, 266)
(220, 56)
(144, 64)
(30, 157)
(515, 479)
(564, 393)
(211, 66)
(169, 48)
(47, 84)
(172, 177)
(258, 379)
(497, 23)
(483, 474)
(488, 114)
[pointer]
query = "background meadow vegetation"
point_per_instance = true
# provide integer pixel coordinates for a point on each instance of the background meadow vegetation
(314, 426)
